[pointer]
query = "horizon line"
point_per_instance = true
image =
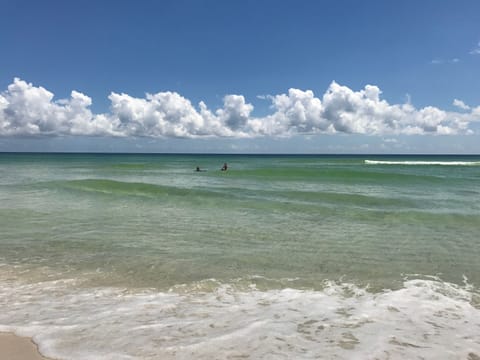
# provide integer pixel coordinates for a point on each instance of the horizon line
(236, 154)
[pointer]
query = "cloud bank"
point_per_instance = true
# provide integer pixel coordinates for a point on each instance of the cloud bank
(27, 110)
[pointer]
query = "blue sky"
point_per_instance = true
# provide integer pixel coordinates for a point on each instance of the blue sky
(273, 76)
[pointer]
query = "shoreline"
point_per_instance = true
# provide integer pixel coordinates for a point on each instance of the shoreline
(14, 347)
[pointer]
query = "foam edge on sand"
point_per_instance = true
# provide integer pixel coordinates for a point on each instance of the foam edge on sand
(14, 347)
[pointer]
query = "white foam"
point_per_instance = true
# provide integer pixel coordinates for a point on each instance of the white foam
(425, 318)
(418, 162)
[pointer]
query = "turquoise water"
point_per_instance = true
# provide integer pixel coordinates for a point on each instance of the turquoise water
(280, 256)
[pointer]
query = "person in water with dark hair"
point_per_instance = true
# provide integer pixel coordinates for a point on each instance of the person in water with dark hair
(224, 167)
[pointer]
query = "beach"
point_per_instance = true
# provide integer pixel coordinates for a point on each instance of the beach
(13, 347)
(139, 256)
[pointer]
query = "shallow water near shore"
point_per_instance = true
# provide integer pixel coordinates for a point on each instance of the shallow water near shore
(139, 256)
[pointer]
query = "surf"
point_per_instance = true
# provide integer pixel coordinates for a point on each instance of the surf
(421, 162)
(342, 320)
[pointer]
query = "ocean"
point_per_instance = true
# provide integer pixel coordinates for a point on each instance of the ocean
(139, 256)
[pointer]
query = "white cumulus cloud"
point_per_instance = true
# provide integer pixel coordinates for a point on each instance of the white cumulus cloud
(28, 110)
(460, 104)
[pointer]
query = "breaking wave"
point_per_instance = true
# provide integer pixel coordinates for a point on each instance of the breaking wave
(419, 162)
(202, 321)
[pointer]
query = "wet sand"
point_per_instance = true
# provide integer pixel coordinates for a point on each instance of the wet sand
(13, 347)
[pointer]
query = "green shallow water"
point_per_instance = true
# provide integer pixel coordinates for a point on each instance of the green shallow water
(151, 221)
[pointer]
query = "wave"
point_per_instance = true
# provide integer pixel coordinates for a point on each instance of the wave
(420, 162)
(114, 187)
(254, 198)
(341, 321)
(344, 175)
(312, 199)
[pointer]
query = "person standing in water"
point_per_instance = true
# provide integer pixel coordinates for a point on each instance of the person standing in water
(224, 167)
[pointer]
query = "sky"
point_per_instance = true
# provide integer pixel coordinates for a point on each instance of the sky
(263, 76)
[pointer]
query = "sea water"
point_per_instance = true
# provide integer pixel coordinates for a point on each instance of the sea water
(132, 256)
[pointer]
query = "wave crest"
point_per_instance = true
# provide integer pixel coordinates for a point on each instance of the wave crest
(420, 162)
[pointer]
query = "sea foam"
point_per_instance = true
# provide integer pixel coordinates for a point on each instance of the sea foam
(425, 318)
(419, 162)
